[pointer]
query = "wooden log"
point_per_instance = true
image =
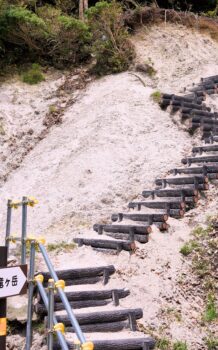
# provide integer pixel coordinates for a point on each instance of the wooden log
(213, 78)
(81, 273)
(204, 169)
(140, 217)
(176, 213)
(210, 91)
(212, 148)
(187, 192)
(197, 186)
(211, 139)
(158, 205)
(198, 112)
(195, 106)
(209, 127)
(139, 238)
(182, 98)
(101, 316)
(106, 244)
(137, 229)
(167, 96)
(206, 159)
(182, 180)
(147, 343)
(79, 300)
(162, 226)
(90, 295)
(102, 327)
(202, 121)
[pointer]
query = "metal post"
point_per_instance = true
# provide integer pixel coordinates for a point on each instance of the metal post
(51, 287)
(63, 297)
(24, 230)
(60, 336)
(8, 222)
(30, 297)
(3, 302)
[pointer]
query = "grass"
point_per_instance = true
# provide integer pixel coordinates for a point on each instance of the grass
(33, 75)
(60, 246)
(211, 313)
(211, 342)
(179, 345)
(156, 96)
(199, 231)
(163, 344)
(188, 247)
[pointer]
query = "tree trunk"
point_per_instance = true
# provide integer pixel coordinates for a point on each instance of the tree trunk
(81, 10)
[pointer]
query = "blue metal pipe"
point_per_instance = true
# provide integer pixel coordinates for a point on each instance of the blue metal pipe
(63, 297)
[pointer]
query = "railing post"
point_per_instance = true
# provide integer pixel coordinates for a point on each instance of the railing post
(61, 338)
(8, 223)
(30, 296)
(51, 287)
(24, 230)
(63, 297)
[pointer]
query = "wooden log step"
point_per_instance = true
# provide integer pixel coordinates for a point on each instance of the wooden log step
(84, 273)
(105, 327)
(204, 169)
(157, 205)
(182, 98)
(185, 192)
(209, 127)
(211, 139)
(195, 160)
(176, 213)
(83, 299)
(137, 229)
(102, 316)
(90, 295)
(140, 217)
(210, 91)
(201, 149)
(213, 78)
(196, 106)
(201, 120)
(106, 244)
(145, 343)
(204, 113)
(197, 186)
(129, 236)
(182, 180)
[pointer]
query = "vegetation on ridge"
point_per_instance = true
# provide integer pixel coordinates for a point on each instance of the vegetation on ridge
(64, 33)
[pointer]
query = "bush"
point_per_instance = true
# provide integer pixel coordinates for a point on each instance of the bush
(156, 96)
(179, 345)
(111, 48)
(211, 311)
(33, 75)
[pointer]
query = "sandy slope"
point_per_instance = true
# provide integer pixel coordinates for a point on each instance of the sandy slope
(112, 144)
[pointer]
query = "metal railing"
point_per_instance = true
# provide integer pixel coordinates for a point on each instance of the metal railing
(54, 284)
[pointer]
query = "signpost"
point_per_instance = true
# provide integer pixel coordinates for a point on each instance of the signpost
(13, 281)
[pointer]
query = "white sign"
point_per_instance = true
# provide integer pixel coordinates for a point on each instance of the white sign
(12, 281)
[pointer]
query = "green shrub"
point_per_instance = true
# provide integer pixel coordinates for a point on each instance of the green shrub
(156, 96)
(111, 48)
(211, 313)
(188, 247)
(163, 344)
(211, 343)
(179, 345)
(33, 75)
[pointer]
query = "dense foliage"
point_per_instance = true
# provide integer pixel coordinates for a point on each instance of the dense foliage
(50, 31)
